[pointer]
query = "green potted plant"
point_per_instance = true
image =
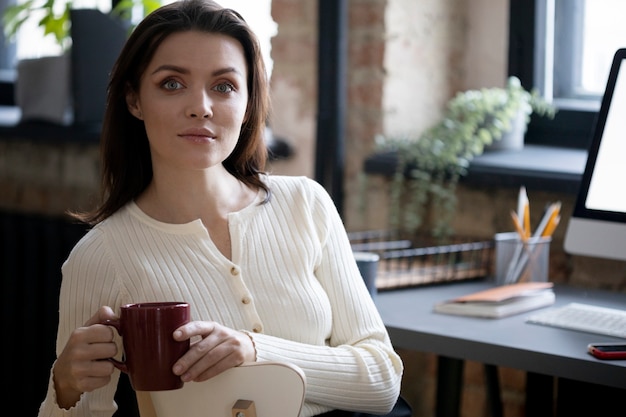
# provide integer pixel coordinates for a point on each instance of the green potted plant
(430, 165)
(54, 16)
(69, 88)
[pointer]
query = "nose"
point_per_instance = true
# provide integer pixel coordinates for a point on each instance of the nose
(200, 106)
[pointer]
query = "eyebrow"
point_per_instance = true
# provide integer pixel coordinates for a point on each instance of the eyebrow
(182, 70)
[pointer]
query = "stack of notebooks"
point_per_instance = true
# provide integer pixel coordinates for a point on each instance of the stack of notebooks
(500, 301)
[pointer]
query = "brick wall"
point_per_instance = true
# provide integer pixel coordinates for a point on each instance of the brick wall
(47, 178)
(406, 59)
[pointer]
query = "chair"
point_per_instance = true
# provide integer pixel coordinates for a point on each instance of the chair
(257, 389)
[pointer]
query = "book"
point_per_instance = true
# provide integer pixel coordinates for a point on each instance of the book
(500, 301)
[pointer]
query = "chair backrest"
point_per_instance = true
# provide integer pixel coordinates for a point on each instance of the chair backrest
(259, 389)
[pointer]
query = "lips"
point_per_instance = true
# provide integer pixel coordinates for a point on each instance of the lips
(197, 134)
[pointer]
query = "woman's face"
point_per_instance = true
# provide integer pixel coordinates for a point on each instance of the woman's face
(192, 99)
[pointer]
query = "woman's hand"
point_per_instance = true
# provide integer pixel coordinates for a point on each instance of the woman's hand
(219, 349)
(80, 368)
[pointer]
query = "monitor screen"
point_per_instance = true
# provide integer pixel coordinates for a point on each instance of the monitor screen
(598, 224)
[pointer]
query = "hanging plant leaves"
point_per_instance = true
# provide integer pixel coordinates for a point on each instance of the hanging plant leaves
(431, 164)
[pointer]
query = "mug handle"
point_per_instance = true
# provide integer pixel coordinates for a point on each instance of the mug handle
(115, 323)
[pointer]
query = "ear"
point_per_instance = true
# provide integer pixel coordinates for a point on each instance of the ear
(132, 103)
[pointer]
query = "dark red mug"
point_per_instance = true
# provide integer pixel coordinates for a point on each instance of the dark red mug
(150, 350)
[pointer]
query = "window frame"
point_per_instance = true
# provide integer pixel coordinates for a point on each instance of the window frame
(570, 128)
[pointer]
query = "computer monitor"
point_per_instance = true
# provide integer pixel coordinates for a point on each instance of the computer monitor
(597, 226)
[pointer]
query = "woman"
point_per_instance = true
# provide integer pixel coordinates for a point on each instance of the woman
(189, 214)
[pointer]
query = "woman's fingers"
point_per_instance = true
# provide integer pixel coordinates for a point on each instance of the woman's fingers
(218, 349)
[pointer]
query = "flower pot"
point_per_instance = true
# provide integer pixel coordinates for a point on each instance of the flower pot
(43, 89)
(514, 138)
(71, 88)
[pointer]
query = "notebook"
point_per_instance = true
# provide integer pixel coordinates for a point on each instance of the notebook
(501, 301)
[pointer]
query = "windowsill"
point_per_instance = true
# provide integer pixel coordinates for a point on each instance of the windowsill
(542, 168)
(11, 128)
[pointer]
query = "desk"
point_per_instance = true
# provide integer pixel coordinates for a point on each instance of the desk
(509, 341)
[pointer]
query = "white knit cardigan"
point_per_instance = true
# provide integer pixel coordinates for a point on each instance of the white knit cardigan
(292, 283)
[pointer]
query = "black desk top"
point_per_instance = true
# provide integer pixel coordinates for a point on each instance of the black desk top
(509, 342)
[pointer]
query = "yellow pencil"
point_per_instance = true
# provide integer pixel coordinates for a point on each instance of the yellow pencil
(551, 226)
(552, 222)
(518, 226)
(527, 220)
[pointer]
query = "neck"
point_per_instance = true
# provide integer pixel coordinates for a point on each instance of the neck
(183, 198)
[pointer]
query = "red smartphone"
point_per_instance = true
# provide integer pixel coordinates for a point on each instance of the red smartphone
(608, 350)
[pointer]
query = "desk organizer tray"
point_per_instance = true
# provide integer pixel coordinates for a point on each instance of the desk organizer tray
(406, 262)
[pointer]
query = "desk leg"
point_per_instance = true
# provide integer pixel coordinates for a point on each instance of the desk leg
(493, 390)
(577, 398)
(449, 386)
(539, 395)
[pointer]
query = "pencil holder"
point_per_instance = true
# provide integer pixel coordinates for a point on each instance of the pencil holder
(521, 261)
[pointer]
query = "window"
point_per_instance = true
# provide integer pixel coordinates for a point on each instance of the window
(576, 40)
(31, 42)
(565, 48)
(258, 15)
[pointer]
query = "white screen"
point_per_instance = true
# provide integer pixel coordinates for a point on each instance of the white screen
(597, 227)
(610, 167)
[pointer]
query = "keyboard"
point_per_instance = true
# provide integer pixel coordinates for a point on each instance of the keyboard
(583, 317)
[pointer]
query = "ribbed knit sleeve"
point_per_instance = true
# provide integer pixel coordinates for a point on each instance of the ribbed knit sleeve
(355, 367)
(292, 284)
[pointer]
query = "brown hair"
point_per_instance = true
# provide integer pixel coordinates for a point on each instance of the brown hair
(125, 152)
